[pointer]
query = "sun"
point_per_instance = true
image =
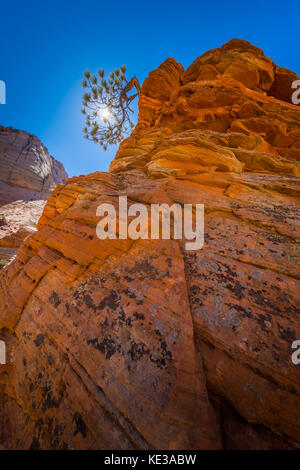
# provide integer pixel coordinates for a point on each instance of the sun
(104, 114)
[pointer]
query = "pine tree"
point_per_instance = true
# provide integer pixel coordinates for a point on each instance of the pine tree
(106, 106)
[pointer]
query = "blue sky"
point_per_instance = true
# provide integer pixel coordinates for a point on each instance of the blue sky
(46, 46)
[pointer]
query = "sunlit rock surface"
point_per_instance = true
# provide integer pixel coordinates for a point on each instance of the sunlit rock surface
(141, 344)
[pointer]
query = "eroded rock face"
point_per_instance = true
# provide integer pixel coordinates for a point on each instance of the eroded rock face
(122, 344)
(28, 174)
(27, 171)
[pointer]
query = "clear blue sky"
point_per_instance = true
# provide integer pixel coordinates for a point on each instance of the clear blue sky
(46, 46)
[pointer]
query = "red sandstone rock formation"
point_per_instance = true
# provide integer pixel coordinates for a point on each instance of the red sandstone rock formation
(28, 174)
(141, 344)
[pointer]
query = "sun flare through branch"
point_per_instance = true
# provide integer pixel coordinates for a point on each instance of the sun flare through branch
(106, 106)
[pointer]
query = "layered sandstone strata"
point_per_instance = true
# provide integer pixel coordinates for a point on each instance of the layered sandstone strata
(27, 171)
(28, 174)
(123, 344)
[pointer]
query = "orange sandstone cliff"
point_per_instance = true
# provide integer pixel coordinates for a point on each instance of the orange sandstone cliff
(138, 344)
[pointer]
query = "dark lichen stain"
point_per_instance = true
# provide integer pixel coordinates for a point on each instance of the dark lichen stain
(123, 320)
(58, 430)
(39, 424)
(137, 350)
(262, 319)
(144, 270)
(39, 340)
(244, 312)
(139, 316)
(107, 346)
(54, 299)
(224, 274)
(287, 334)
(133, 295)
(195, 293)
(236, 288)
(112, 301)
(258, 297)
(49, 401)
(89, 302)
(50, 359)
(35, 445)
(80, 426)
(49, 422)
(115, 276)
(166, 354)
